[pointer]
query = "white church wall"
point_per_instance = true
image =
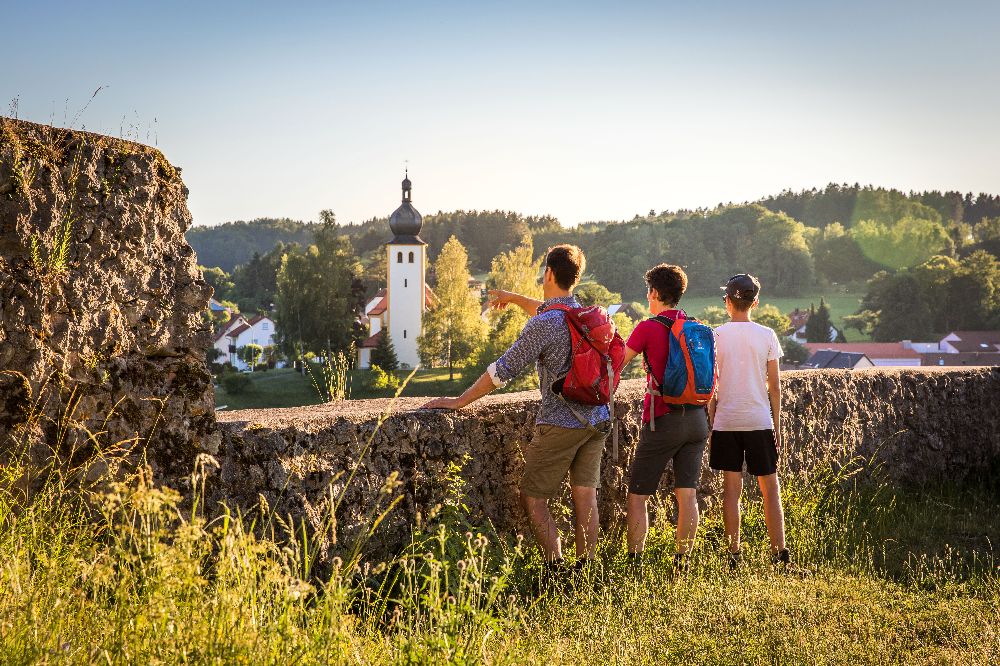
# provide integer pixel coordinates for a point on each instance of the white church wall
(406, 299)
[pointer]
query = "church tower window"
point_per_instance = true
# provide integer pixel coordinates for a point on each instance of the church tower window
(399, 258)
(411, 257)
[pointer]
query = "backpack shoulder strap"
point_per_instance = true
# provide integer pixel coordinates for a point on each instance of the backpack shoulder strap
(678, 328)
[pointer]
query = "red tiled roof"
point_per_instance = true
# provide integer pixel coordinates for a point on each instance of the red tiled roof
(976, 341)
(236, 331)
(221, 333)
(971, 359)
(873, 350)
(380, 307)
(371, 341)
(256, 318)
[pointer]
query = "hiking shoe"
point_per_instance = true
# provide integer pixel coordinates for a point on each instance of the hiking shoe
(555, 577)
(781, 558)
(734, 559)
(682, 563)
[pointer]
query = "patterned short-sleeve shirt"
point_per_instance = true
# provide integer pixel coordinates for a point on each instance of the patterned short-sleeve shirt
(545, 341)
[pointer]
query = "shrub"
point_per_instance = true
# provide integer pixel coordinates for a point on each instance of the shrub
(236, 383)
(382, 380)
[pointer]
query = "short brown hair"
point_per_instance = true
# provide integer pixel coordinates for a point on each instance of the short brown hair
(668, 281)
(567, 263)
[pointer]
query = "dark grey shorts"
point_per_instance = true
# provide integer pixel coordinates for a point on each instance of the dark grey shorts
(680, 436)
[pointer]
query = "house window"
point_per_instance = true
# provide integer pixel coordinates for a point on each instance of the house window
(399, 258)
(411, 257)
(264, 326)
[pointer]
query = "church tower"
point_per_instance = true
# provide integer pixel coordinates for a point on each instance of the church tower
(406, 262)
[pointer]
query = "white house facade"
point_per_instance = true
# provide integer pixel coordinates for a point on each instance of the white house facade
(241, 331)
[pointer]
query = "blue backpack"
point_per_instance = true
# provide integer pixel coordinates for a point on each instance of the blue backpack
(690, 375)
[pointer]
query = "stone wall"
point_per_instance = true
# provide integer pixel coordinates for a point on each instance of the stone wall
(100, 303)
(922, 424)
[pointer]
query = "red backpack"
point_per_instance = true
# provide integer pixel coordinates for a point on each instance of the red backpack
(597, 355)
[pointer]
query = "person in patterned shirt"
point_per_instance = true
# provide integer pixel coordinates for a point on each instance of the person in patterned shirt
(568, 437)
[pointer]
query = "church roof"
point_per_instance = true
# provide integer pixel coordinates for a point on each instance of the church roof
(371, 341)
(405, 222)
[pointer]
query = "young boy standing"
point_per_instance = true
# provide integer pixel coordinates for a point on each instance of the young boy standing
(678, 432)
(746, 415)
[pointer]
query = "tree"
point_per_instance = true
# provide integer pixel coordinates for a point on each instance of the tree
(592, 293)
(255, 283)
(864, 321)
(515, 271)
(770, 316)
(250, 354)
(318, 295)
(793, 352)
(453, 327)
(818, 326)
(714, 316)
(384, 354)
(839, 258)
(903, 313)
(219, 281)
(906, 243)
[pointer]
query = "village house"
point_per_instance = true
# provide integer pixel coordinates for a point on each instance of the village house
(831, 359)
(881, 354)
(241, 331)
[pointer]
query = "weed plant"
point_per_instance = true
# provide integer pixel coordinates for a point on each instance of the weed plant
(121, 570)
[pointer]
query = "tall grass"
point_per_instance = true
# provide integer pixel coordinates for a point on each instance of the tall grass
(122, 570)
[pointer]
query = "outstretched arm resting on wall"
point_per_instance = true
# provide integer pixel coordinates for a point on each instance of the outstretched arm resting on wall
(481, 387)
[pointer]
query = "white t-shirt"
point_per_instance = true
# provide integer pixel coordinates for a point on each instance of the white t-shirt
(743, 349)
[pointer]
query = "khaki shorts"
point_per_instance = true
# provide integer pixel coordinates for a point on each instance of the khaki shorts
(554, 450)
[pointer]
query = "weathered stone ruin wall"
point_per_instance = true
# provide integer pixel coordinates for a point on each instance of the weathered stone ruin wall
(921, 424)
(100, 302)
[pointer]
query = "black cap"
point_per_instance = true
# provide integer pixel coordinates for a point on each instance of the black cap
(742, 287)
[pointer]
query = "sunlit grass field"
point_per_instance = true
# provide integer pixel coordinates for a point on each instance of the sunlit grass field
(127, 573)
(286, 387)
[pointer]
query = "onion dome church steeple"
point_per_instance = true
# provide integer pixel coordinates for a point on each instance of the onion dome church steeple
(405, 222)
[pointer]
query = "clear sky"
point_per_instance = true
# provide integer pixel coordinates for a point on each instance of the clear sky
(582, 110)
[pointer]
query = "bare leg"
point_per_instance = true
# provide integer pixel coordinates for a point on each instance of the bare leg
(638, 522)
(542, 526)
(687, 518)
(732, 488)
(774, 516)
(587, 523)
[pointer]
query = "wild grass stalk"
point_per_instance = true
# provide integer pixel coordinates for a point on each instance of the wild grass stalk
(124, 570)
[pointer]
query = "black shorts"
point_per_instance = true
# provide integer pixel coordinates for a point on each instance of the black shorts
(729, 448)
(679, 436)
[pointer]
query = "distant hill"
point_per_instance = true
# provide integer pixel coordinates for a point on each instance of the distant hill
(792, 239)
(233, 243)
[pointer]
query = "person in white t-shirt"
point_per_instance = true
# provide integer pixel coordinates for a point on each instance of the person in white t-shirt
(745, 415)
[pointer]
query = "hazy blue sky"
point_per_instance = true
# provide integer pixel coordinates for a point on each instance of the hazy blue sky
(581, 110)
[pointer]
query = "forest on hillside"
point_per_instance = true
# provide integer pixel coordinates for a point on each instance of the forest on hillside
(883, 241)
